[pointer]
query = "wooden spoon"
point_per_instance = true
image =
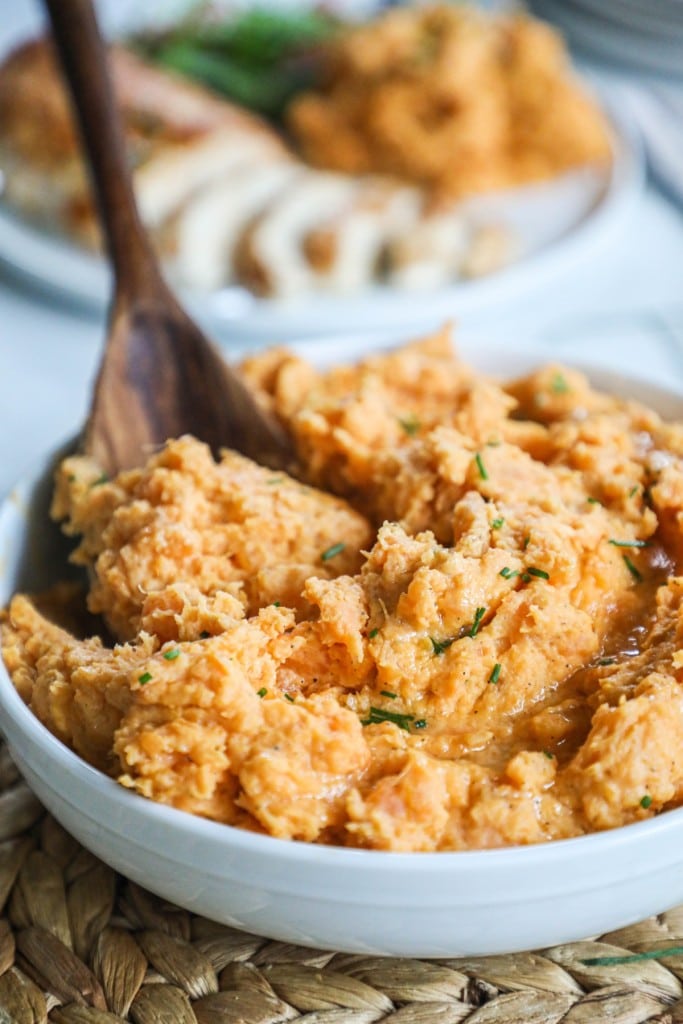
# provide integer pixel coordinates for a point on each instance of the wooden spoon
(160, 377)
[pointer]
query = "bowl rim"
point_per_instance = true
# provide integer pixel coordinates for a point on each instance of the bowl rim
(551, 853)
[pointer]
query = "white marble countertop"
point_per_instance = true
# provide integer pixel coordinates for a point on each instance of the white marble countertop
(623, 306)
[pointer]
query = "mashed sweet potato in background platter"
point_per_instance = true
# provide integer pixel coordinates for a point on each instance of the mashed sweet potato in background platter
(456, 99)
(462, 631)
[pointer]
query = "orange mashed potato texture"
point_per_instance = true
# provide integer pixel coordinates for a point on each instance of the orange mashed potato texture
(463, 631)
(455, 99)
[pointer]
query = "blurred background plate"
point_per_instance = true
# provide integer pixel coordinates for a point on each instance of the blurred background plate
(557, 224)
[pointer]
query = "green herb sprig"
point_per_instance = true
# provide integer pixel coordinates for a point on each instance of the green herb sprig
(332, 551)
(439, 646)
(377, 715)
(410, 424)
(478, 616)
(635, 573)
(540, 574)
(260, 58)
(483, 473)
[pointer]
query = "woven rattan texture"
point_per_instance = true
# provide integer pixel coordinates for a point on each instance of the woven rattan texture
(81, 945)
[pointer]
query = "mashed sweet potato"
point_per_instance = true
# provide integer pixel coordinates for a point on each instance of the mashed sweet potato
(453, 98)
(464, 630)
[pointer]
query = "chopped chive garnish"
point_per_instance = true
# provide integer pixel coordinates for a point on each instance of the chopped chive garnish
(525, 542)
(637, 576)
(439, 646)
(276, 604)
(104, 479)
(382, 715)
(420, 723)
(262, 692)
(607, 661)
(526, 578)
(478, 616)
(146, 677)
(548, 754)
(507, 573)
(289, 697)
(593, 501)
(559, 384)
(275, 480)
(389, 694)
(646, 801)
(633, 958)
(335, 549)
(497, 523)
(634, 490)
(481, 467)
(372, 634)
(493, 444)
(171, 655)
(540, 574)
(410, 424)
(630, 543)
(495, 673)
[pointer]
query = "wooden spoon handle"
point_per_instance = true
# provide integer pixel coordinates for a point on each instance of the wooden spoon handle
(84, 60)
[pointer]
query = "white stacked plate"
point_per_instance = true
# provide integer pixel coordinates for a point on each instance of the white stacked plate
(643, 34)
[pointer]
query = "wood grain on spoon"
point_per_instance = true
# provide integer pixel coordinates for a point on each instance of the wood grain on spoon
(160, 377)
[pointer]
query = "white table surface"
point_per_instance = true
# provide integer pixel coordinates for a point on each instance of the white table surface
(622, 307)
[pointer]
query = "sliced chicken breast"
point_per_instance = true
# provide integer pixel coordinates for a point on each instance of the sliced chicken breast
(492, 246)
(169, 178)
(346, 251)
(431, 253)
(270, 258)
(179, 136)
(447, 244)
(224, 197)
(207, 230)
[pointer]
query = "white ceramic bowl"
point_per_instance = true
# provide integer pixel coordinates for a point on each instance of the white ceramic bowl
(442, 904)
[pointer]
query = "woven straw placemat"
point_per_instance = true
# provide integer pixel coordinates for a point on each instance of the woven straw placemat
(79, 944)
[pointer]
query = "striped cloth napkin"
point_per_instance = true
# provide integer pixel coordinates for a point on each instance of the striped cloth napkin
(655, 105)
